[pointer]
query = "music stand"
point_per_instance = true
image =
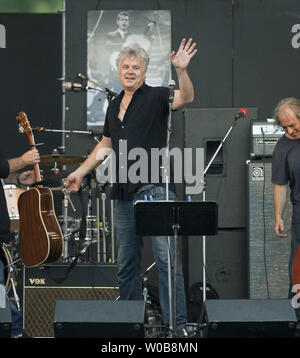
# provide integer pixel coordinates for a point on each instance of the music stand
(173, 218)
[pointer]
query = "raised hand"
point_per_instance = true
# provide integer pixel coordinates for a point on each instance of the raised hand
(186, 51)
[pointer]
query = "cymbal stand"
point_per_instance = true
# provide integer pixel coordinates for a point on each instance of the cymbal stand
(100, 189)
(66, 202)
(89, 214)
(103, 198)
(98, 227)
(12, 281)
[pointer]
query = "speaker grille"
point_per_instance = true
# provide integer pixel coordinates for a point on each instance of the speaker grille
(40, 305)
(268, 254)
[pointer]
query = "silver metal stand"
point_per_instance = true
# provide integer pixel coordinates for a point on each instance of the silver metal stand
(172, 304)
(12, 281)
(98, 228)
(63, 75)
(65, 226)
(103, 229)
(66, 202)
(103, 198)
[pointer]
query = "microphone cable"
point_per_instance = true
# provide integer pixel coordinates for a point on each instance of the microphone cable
(263, 213)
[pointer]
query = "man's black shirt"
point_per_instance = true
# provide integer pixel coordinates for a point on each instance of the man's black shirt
(144, 126)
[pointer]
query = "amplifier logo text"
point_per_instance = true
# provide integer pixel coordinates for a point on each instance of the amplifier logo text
(37, 281)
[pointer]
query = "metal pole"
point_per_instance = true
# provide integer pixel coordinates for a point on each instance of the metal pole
(63, 75)
(103, 198)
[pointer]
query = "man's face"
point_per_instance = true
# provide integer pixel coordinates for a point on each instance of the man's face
(123, 22)
(289, 122)
(131, 72)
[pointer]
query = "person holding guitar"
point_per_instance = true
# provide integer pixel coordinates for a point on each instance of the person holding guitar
(8, 166)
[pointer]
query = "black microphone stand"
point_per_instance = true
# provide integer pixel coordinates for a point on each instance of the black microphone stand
(172, 305)
(109, 93)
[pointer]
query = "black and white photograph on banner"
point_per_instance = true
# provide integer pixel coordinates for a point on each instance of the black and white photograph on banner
(108, 32)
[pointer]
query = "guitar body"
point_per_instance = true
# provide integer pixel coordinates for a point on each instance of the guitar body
(40, 236)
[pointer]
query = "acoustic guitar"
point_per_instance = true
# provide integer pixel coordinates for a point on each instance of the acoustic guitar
(40, 236)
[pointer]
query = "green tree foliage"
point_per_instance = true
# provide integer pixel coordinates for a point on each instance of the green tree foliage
(32, 6)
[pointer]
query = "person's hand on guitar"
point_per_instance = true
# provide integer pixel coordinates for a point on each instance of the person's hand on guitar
(31, 157)
(27, 177)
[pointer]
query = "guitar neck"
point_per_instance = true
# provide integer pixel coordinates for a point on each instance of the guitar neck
(36, 167)
(37, 172)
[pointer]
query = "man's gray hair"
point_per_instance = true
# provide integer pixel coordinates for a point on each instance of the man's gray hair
(291, 102)
(136, 52)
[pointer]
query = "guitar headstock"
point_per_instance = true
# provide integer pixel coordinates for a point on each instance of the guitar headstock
(24, 123)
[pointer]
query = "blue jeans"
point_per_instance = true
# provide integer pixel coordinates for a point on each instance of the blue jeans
(16, 315)
(295, 241)
(129, 247)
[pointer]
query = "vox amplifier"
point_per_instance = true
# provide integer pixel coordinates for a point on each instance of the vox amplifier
(44, 285)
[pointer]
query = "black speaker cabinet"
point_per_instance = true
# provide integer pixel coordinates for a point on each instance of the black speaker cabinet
(5, 320)
(99, 319)
(226, 177)
(44, 285)
(249, 319)
(226, 262)
(268, 255)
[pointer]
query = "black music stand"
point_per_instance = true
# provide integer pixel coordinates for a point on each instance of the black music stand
(173, 218)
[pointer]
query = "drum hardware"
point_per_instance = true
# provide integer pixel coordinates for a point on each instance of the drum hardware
(104, 223)
(66, 202)
(12, 194)
(91, 221)
(72, 131)
(101, 183)
(8, 272)
(56, 159)
(86, 246)
(55, 169)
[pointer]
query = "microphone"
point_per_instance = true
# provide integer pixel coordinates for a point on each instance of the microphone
(243, 112)
(74, 86)
(171, 91)
(38, 129)
(104, 89)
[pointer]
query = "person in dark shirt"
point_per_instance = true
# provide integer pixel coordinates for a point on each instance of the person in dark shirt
(116, 38)
(286, 172)
(138, 119)
(8, 166)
